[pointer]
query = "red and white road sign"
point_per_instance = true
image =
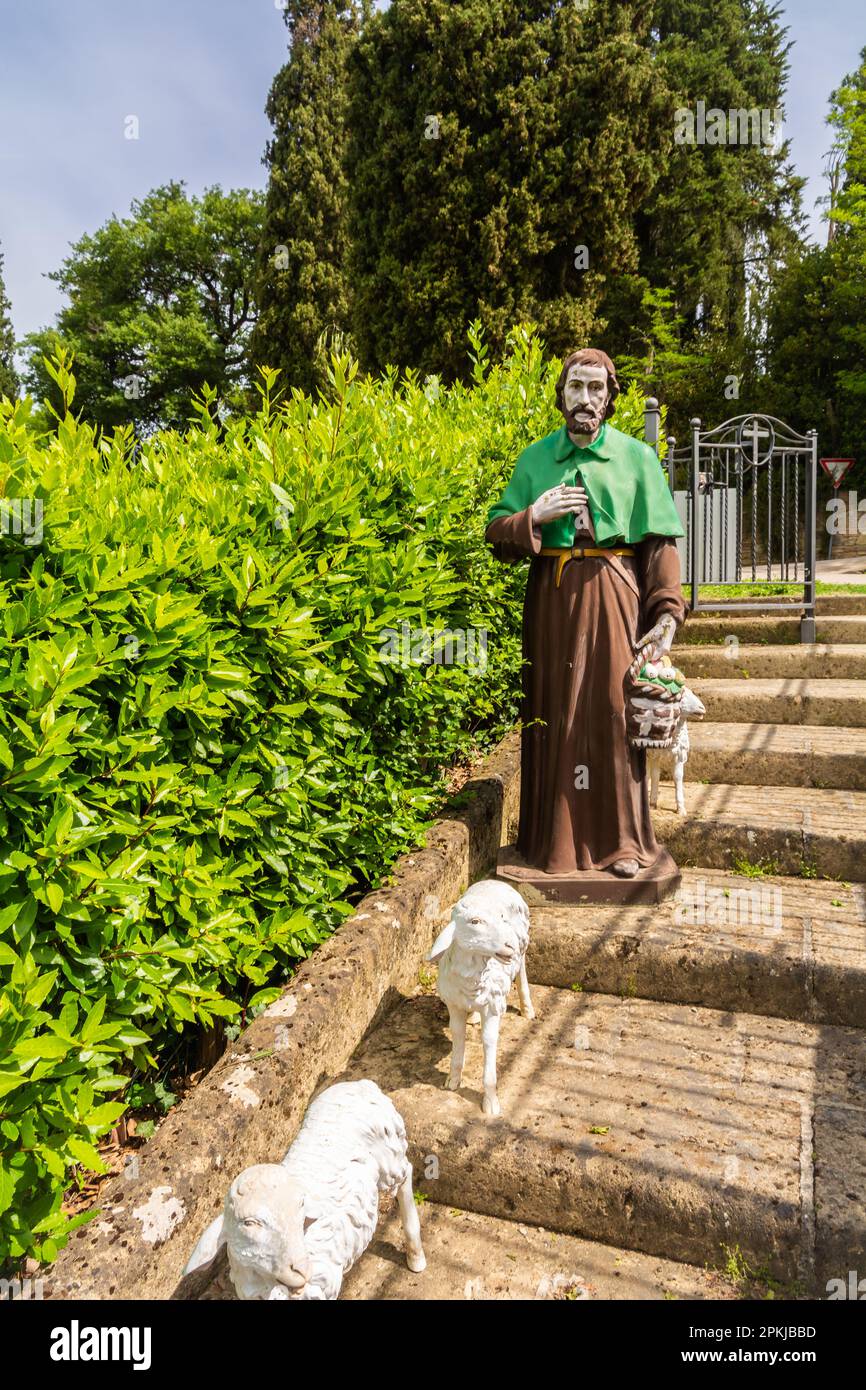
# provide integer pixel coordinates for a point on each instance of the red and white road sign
(836, 469)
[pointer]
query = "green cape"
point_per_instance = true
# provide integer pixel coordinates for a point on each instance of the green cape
(628, 494)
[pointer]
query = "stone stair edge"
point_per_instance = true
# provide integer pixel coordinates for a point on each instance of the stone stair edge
(773, 945)
(634, 1123)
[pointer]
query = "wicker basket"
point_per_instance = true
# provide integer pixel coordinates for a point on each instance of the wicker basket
(652, 706)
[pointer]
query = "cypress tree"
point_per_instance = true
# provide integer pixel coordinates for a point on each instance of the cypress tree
(723, 217)
(497, 154)
(302, 289)
(8, 375)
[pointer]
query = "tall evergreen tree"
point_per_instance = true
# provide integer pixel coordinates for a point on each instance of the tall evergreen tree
(301, 279)
(8, 375)
(817, 323)
(497, 155)
(723, 217)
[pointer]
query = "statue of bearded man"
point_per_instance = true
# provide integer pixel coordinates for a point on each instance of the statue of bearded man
(590, 508)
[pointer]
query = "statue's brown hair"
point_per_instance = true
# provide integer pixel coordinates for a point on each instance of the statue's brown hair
(590, 357)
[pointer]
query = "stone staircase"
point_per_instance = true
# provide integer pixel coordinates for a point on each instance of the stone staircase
(691, 1097)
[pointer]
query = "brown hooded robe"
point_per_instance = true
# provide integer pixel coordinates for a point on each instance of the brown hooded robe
(578, 642)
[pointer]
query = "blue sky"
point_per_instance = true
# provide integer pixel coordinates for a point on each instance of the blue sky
(196, 74)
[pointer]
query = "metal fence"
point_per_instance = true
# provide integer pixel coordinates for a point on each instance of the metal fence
(754, 480)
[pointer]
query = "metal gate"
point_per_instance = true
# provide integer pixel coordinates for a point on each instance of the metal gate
(755, 481)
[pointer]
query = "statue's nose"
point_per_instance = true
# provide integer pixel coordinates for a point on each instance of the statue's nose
(293, 1276)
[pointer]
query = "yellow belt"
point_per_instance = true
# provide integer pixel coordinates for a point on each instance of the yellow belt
(578, 552)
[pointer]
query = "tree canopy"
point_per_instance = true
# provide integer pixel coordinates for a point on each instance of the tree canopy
(160, 303)
(497, 156)
(816, 359)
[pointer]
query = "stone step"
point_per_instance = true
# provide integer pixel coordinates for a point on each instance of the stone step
(840, 605)
(678, 1131)
(826, 605)
(470, 1256)
(781, 701)
(768, 627)
(783, 756)
(793, 830)
(747, 662)
(786, 947)
(486, 1258)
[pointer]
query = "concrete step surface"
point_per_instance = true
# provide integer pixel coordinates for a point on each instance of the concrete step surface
(745, 661)
(826, 605)
(840, 605)
(666, 1128)
(775, 628)
(482, 1258)
(791, 700)
(487, 1259)
(796, 831)
(785, 947)
(777, 755)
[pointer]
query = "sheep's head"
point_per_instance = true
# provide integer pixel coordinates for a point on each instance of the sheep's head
(693, 707)
(264, 1231)
(491, 919)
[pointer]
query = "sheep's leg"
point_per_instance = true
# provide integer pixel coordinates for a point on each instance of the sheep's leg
(679, 771)
(523, 992)
(458, 1048)
(654, 782)
(411, 1225)
(489, 1039)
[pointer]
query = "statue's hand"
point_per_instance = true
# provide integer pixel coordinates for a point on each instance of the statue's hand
(557, 502)
(658, 641)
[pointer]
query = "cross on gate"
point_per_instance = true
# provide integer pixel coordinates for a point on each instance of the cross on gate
(750, 433)
(754, 433)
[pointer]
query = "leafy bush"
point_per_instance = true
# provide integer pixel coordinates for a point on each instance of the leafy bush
(203, 758)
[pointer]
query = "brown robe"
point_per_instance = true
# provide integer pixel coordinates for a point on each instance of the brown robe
(578, 642)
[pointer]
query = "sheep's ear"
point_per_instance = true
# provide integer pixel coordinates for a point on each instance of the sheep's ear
(208, 1245)
(442, 942)
(521, 912)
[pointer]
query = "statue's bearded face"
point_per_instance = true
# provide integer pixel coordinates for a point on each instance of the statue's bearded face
(584, 400)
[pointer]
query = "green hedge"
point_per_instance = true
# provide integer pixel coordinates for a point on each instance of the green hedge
(203, 758)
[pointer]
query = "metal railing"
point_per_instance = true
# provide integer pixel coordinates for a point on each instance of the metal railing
(755, 481)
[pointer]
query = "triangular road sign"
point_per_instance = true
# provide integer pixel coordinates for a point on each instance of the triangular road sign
(836, 469)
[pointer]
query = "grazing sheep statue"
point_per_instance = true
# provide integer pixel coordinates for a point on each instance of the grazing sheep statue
(678, 752)
(481, 953)
(294, 1228)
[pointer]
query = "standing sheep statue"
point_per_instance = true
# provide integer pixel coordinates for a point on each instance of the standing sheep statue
(294, 1228)
(481, 953)
(678, 754)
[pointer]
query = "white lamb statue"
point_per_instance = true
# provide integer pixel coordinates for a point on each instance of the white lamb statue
(678, 753)
(481, 953)
(294, 1228)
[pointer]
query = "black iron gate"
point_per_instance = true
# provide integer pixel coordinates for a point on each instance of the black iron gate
(755, 482)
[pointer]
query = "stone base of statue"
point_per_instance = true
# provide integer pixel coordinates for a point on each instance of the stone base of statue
(650, 885)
